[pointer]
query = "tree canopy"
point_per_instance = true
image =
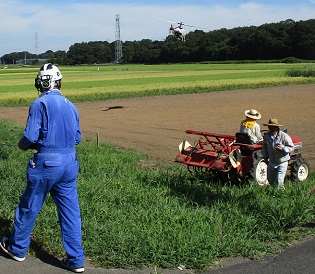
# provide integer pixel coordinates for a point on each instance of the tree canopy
(273, 41)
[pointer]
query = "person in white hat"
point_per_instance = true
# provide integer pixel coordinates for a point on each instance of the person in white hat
(276, 149)
(251, 127)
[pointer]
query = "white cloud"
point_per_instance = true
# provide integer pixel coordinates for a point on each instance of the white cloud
(60, 27)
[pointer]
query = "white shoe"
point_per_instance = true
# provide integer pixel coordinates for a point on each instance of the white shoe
(5, 246)
(65, 262)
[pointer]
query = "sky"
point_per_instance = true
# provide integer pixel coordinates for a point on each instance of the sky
(37, 26)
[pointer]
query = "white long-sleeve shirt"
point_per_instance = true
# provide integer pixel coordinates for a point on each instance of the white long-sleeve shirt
(269, 150)
(253, 133)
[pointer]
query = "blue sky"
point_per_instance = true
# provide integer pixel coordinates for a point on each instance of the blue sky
(59, 24)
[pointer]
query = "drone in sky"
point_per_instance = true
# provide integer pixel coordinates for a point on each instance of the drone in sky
(179, 31)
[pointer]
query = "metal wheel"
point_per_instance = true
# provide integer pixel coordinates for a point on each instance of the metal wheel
(300, 170)
(258, 174)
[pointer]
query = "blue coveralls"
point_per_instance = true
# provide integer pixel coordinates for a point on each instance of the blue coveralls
(53, 129)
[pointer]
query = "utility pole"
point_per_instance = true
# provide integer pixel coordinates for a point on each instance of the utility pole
(36, 43)
(118, 44)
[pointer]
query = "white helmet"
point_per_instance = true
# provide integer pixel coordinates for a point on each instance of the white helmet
(47, 77)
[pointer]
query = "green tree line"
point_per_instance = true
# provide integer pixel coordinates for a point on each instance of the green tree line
(273, 41)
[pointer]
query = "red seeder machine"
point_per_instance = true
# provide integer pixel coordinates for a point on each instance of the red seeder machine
(231, 158)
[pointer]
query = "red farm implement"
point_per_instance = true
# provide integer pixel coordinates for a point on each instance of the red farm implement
(233, 158)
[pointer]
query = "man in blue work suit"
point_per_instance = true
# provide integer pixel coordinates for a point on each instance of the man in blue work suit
(53, 129)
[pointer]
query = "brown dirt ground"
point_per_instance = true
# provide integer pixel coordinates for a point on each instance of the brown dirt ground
(156, 125)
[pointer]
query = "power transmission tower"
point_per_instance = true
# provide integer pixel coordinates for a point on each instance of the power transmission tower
(118, 44)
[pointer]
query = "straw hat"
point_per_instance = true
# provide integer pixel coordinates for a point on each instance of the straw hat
(253, 113)
(273, 123)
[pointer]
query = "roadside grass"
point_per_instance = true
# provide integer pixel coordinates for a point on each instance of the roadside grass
(138, 213)
(102, 82)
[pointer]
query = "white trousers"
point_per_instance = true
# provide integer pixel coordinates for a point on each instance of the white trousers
(276, 174)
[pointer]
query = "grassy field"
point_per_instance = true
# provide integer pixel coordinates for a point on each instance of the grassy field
(88, 83)
(136, 213)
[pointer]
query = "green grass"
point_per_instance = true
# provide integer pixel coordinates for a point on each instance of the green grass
(305, 72)
(140, 213)
(102, 82)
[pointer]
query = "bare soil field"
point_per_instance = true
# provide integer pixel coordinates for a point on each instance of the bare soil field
(156, 125)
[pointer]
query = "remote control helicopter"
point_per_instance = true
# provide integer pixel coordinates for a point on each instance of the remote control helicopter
(179, 31)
